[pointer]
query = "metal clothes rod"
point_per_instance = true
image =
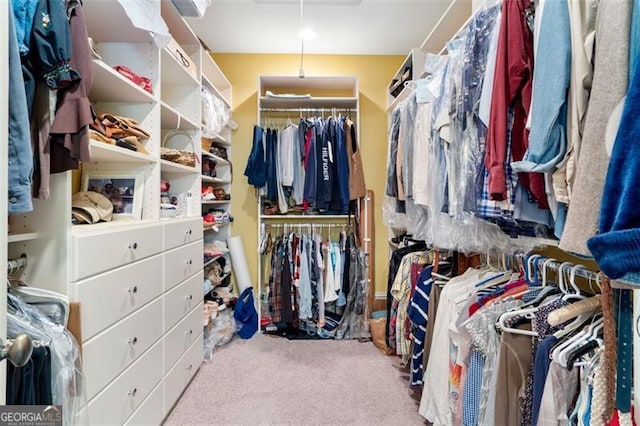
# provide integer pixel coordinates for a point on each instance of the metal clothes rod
(307, 225)
(314, 110)
(15, 264)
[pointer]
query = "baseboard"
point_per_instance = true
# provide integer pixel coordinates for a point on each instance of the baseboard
(380, 302)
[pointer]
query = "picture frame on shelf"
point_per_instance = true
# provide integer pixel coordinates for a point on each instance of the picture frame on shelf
(125, 190)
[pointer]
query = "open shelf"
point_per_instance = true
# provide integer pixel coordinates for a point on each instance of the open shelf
(215, 202)
(210, 226)
(173, 73)
(171, 167)
(110, 86)
(304, 216)
(451, 21)
(219, 160)
(101, 151)
(26, 236)
(172, 119)
(209, 179)
(313, 102)
(218, 139)
(109, 21)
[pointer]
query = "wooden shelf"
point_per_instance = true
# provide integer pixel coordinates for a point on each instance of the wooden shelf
(172, 119)
(215, 202)
(218, 139)
(209, 179)
(171, 167)
(210, 261)
(110, 86)
(174, 73)
(108, 20)
(404, 94)
(451, 21)
(304, 216)
(209, 227)
(313, 102)
(101, 151)
(27, 236)
(219, 160)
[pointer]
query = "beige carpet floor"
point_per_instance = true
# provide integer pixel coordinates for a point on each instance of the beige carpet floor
(274, 381)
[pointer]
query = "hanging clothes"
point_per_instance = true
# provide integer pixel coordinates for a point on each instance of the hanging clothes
(305, 288)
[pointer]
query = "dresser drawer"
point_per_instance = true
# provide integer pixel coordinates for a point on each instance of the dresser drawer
(181, 300)
(180, 337)
(108, 297)
(181, 374)
(181, 263)
(179, 233)
(150, 411)
(120, 399)
(98, 252)
(113, 350)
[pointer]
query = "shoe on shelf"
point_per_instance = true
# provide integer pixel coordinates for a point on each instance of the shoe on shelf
(208, 194)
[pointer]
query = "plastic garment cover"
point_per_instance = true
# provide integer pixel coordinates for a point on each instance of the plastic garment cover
(215, 114)
(355, 318)
(393, 210)
(68, 383)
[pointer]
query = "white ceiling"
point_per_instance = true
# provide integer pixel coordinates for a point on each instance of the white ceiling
(361, 27)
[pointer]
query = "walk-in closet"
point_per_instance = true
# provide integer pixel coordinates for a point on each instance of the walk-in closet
(349, 212)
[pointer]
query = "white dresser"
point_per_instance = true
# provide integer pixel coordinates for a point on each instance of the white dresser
(140, 289)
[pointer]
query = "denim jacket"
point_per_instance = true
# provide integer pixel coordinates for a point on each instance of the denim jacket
(20, 155)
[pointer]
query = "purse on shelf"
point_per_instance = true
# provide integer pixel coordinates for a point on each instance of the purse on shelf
(138, 80)
(179, 156)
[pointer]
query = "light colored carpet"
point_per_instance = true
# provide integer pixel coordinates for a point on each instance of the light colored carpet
(273, 381)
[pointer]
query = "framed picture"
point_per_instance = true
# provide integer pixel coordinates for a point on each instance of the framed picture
(125, 190)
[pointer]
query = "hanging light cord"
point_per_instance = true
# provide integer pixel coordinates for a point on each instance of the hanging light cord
(301, 71)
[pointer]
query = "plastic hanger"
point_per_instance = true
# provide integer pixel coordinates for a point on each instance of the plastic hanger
(526, 313)
(559, 353)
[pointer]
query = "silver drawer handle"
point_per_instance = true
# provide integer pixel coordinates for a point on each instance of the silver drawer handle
(133, 290)
(189, 367)
(189, 232)
(132, 392)
(133, 246)
(189, 297)
(189, 262)
(133, 341)
(190, 332)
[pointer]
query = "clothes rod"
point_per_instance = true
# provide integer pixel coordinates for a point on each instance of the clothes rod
(15, 264)
(307, 225)
(315, 110)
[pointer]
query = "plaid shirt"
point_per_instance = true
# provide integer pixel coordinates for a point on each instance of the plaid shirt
(490, 209)
(401, 292)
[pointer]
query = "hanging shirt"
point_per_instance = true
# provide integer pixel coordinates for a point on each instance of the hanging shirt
(551, 75)
(512, 86)
(401, 291)
(286, 147)
(417, 313)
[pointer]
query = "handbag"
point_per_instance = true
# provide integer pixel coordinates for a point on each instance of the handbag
(180, 156)
(138, 80)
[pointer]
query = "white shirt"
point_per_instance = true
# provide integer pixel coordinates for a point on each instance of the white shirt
(434, 404)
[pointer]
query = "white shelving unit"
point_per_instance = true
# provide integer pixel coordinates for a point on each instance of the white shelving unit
(138, 282)
(326, 95)
(214, 80)
(452, 19)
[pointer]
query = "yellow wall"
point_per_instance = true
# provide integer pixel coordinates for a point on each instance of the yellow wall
(374, 74)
